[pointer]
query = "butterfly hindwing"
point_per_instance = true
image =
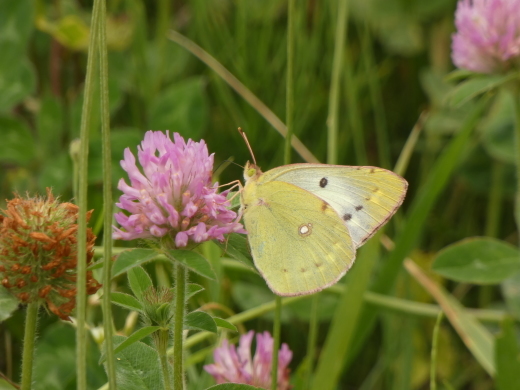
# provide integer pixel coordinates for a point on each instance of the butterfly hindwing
(363, 197)
(298, 242)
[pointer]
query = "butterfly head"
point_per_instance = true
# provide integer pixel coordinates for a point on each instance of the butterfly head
(251, 171)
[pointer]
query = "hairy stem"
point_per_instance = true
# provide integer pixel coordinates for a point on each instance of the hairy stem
(31, 320)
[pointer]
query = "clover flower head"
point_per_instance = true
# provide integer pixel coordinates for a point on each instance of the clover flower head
(235, 365)
(173, 195)
(38, 252)
(488, 35)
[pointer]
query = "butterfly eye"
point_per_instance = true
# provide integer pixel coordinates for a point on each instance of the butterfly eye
(251, 172)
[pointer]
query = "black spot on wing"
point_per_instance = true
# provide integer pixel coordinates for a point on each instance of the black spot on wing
(323, 182)
(359, 207)
(347, 217)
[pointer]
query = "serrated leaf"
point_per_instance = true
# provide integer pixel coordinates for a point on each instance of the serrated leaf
(507, 357)
(473, 87)
(225, 324)
(480, 260)
(132, 258)
(139, 281)
(137, 367)
(237, 247)
(133, 338)
(194, 261)
(193, 289)
(125, 300)
(199, 320)
(8, 303)
(233, 386)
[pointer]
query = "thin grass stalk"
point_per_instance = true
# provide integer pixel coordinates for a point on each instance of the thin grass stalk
(81, 284)
(107, 197)
(178, 326)
(376, 98)
(311, 340)
(289, 102)
(276, 342)
(354, 113)
(31, 322)
(337, 67)
(435, 344)
(243, 91)
(516, 98)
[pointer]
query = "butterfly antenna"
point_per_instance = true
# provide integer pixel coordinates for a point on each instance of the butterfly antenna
(243, 134)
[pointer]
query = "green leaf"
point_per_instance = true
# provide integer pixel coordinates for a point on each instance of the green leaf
(194, 261)
(17, 144)
(476, 337)
(200, 320)
(237, 247)
(224, 324)
(139, 281)
(125, 300)
(8, 303)
(133, 338)
(480, 260)
(182, 106)
(233, 386)
(137, 367)
(132, 258)
(507, 357)
(473, 87)
(193, 289)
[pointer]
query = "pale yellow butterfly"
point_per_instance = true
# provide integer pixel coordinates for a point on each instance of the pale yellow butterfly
(305, 221)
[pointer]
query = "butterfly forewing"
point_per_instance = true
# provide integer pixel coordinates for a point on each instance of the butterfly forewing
(298, 242)
(363, 197)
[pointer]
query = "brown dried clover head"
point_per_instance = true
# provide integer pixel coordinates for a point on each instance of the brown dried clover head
(38, 252)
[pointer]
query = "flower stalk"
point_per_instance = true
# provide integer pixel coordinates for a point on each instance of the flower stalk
(181, 274)
(31, 320)
(161, 343)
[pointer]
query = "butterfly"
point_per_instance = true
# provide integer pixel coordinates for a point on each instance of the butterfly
(305, 221)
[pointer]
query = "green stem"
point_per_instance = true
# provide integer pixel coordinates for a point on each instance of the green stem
(376, 98)
(332, 120)
(289, 102)
(516, 98)
(107, 197)
(161, 342)
(31, 321)
(81, 283)
(311, 343)
(178, 326)
(435, 342)
(276, 342)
